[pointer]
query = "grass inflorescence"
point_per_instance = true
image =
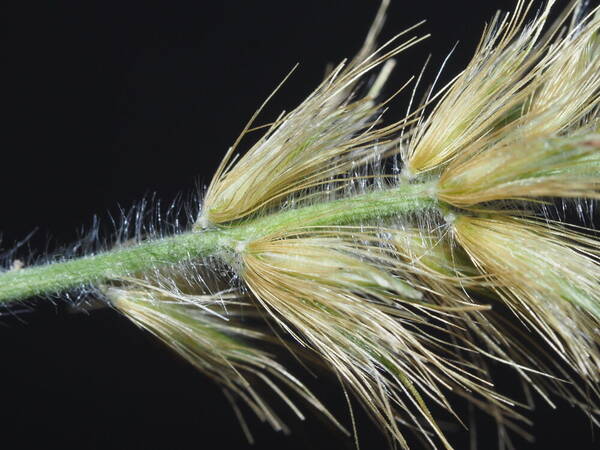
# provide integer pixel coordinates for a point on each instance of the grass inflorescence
(387, 249)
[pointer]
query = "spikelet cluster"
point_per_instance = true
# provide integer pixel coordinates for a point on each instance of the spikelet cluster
(412, 311)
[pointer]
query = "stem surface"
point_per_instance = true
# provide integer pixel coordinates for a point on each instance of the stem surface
(60, 276)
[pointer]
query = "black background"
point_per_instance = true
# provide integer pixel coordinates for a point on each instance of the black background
(104, 103)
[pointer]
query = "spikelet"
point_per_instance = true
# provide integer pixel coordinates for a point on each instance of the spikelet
(556, 167)
(492, 88)
(340, 293)
(190, 320)
(328, 135)
(548, 276)
(551, 147)
(448, 274)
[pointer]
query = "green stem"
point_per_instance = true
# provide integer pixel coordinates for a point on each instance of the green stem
(63, 275)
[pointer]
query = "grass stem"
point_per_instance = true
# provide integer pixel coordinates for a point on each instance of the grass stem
(56, 277)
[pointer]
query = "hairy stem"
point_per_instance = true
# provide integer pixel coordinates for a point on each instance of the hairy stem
(60, 276)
